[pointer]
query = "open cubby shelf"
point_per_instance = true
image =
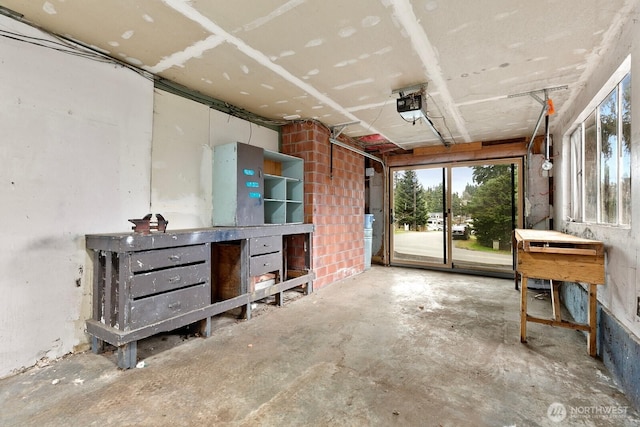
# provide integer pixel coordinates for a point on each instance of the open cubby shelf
(253, 186)
(283, 188)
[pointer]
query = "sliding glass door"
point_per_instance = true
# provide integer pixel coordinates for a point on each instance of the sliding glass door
(418, 216)
(458, 216)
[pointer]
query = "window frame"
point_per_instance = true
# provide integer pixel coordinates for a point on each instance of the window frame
(578, 174)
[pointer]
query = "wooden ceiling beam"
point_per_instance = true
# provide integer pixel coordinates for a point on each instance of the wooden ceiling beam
(470, 152)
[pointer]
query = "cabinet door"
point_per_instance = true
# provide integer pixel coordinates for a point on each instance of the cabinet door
(250, 208)
(238, 185)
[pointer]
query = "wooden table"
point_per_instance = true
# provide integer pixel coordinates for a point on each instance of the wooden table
(144, 284)
(546, 254)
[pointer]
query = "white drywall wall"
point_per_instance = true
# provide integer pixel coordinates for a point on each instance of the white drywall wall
(622, 244)
(537, 213)
(75, 152)
(181, 162)
(184, 133)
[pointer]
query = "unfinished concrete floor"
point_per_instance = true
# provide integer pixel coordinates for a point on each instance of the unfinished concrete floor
(391, 346)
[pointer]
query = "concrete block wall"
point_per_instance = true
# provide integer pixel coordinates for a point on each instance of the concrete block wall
(296, 252)
(618, 321)
(618, 347)
(334, 200)
(75, 150)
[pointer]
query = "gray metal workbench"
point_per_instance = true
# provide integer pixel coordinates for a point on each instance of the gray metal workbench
(144, 284)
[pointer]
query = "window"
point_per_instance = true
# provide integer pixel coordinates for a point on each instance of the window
(608, 112)
(601, 161)
(576, 175)
(590, 168)
(625, 151)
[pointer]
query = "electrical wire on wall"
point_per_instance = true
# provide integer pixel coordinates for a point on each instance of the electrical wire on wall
(412, 106)
(379, 114)
(70, 47)
(444, 120)
(53, 45)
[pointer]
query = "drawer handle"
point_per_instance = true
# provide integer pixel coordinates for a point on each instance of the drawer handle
(175, 305)
(267, 264)
(174, 258)
(174, 279)
(266, 245)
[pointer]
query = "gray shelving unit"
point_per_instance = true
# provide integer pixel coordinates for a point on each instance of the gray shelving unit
(253, 186)
(284, 191)
(238, 185)
(144, 284)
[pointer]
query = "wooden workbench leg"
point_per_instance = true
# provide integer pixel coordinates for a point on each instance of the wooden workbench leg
(280, 296)
(247, 311)
(592, 317)
(523, 309)
(555, 301)
(127, 355)
(308, 262)
(97, 345)
(205, 327)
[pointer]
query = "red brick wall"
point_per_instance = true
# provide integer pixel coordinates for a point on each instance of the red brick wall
(334, 200)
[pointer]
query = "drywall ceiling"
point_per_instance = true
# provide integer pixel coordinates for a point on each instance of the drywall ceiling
(339, 61)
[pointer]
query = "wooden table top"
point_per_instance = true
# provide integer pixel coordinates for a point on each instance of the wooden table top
(552, 241)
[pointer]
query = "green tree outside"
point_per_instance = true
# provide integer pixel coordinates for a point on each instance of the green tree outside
(490, 206)
(409, 200)
(433, 198)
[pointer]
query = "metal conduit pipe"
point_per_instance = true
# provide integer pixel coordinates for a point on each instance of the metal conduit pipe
(355, 150)
(545, 106)
(385, 170)
(547, 141)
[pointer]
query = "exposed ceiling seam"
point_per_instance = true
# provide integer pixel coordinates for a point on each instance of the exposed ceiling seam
(425, 51)
(481, 101)
(179, 58)
(281, 10)
(368, 106)
(189, 12)
(608, 40)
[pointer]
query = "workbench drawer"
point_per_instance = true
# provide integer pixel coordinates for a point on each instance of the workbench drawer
(261, 264)
(162, 258)
(154, 282)
(265, 245)
(146, 311)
